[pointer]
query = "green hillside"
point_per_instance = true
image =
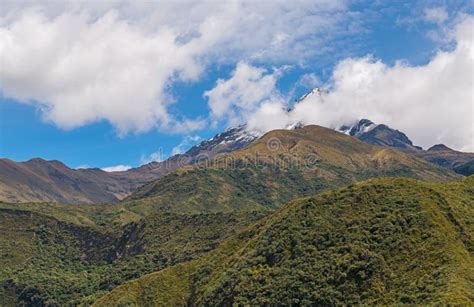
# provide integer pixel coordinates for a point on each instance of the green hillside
(57, 254)
(382, 241)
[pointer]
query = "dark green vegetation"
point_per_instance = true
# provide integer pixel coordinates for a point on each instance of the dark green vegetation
(465, 169)
(53, 255)
(382, 241)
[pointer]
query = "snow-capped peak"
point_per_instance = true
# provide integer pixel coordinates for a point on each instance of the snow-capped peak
(358, 128)
(315, 91)
(238, 134)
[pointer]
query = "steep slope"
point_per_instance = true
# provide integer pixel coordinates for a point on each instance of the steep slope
(466, 169)
(369, 132)
(281, 165)
(383, 241)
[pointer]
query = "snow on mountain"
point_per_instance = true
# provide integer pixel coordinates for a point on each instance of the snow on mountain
(358, 128)
(231, 139)
(314, 91)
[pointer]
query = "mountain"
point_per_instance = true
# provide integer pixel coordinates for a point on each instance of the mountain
(379, 134)
(277, 167)
(378, 242)
(39, 180)
(382, 135)
(230, 140)
(460, 162)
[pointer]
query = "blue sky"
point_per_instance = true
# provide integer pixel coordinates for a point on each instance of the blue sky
(387, 30)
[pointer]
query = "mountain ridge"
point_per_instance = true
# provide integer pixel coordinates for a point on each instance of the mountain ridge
(440, 154)
(281, 165)
(94, 185)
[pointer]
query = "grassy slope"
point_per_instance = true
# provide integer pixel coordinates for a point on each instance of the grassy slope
(280, 166)
(381, 241)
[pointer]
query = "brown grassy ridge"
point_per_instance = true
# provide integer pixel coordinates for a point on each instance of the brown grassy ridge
(280, 166)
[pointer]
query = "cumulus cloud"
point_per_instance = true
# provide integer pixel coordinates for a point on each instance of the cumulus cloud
(116, 168)
(80, 70)
(83, 62)
(432, 103)
(246, 90)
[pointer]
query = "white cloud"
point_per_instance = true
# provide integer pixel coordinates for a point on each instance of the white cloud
(244, 92)
(184, 144)
(269, 116)
(81, 70)
(117, 168)
(435, 14)
(432, 103)
(82, 62)
(159, 156)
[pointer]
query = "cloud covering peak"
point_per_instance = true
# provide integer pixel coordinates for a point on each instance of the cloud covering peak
(432, 103)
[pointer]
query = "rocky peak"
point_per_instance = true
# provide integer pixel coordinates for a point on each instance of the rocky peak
(358, 128)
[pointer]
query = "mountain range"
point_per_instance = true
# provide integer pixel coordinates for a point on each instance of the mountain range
(39, 180)
(460, 162)
(281, 165)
